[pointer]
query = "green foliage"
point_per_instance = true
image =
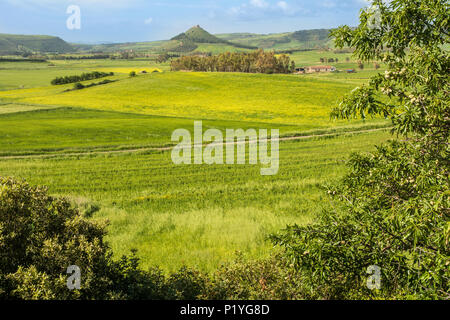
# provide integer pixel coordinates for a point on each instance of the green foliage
(392, 209)
(78, 86)
(186, 284)
(254, 62)
(83, 77)
(40, 237)
(133, 74)
(272, 278)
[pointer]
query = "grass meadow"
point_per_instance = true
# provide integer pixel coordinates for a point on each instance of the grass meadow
(102, 148)
(195, 215)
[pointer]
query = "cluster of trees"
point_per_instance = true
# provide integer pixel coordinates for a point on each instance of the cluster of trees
(291, 51)
(163, 57)
(82, 77)
(329, 60)
(254, 62)
(79, 86)
(84, 57)
(185, 45)
(127, 55)
(21, 60)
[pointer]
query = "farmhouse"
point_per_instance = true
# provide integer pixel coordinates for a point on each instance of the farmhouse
(299, 70)
(320, 69)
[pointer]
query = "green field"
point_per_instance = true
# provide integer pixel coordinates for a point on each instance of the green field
(18, 75)
(105, 148)
(284, 99)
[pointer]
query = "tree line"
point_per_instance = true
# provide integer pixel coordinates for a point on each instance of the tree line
(92, 57)
(82, 77)
(254, 62)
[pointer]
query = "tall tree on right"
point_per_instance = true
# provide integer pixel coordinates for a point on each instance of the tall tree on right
(391, 212)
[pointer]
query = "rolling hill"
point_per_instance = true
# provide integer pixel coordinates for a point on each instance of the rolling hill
(14, 44)
(196, 39)
(200, 35)
(197, 35)
(303, 39)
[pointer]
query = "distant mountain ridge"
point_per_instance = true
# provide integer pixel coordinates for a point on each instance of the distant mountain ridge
(196, 39)
(18, 44)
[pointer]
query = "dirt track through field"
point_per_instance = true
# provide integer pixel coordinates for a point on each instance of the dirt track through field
(290, 138)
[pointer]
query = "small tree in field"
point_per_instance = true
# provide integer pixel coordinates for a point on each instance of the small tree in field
(78, 86)
(392, 210)
(133, 74)
(360, 65)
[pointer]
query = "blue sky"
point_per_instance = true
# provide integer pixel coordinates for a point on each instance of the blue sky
(145, 20)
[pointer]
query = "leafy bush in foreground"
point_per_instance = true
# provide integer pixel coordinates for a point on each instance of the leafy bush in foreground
(40, 236)
(392, 209)
(272, 278)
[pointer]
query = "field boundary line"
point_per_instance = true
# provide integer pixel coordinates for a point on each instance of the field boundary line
(168, 148)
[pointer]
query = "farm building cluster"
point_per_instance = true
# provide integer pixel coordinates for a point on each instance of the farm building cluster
(317, 69)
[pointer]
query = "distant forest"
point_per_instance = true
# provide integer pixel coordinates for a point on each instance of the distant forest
(254, 62)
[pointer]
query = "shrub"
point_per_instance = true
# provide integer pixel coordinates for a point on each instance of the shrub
(40, 236)
(83, 77)
(78, 86)
(273, 278)
(133, 74)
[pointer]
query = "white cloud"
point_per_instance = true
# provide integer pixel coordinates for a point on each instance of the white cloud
(283, 5)
(148, 21)
(259, 3)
